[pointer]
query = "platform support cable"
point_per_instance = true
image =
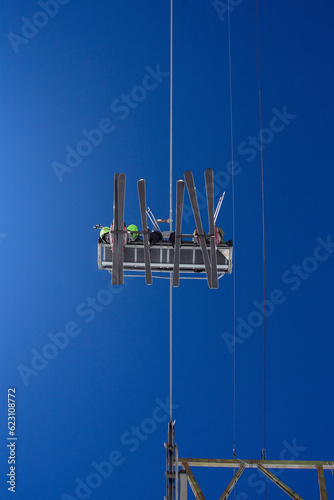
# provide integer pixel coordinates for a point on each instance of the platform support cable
(171, 214)
(263, 240)
(170, 470)
(264, 451)
(233, 228)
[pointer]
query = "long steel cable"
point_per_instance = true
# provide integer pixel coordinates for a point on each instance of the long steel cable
(171, 215)
(264, 453)
(263, 239)
(233, 229)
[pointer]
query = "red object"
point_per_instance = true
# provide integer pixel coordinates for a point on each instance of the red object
(124, 239)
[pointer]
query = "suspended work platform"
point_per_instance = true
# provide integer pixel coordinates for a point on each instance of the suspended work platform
(199, 255)
(162, 258)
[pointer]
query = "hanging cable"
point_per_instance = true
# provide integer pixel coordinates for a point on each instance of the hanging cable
(264, 243)
(170, 445)
(233, 229)
(171, 214)
(264, 451)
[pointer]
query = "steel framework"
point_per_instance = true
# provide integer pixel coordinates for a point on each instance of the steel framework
(261, 465)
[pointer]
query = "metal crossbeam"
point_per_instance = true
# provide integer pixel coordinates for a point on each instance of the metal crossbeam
(262, 465)
(267, 464)
(279, 483)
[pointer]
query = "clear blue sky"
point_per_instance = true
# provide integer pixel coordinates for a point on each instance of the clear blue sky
(109, 374)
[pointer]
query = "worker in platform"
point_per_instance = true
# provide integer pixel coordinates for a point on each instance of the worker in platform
(219, 234)
(219, 237)
(133, 234)
(172, 238)
(155, 236)
(104, 235)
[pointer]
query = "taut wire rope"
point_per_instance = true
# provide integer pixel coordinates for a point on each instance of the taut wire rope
(233, 228)
(264, 243)
(171, 215)
(264, 452)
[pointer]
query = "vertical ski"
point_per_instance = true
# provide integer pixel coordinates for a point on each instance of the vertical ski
(208, 174)
(147, 256)
(178, 227)
(114, 235)
(194, 205)
(121, 236)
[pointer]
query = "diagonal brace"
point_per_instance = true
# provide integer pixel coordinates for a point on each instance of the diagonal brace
(233, 482)
(322, 483)
(279, 483)
(193, 483)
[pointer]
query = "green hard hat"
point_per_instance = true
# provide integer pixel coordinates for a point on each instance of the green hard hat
(103, 231)
(134, 230)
